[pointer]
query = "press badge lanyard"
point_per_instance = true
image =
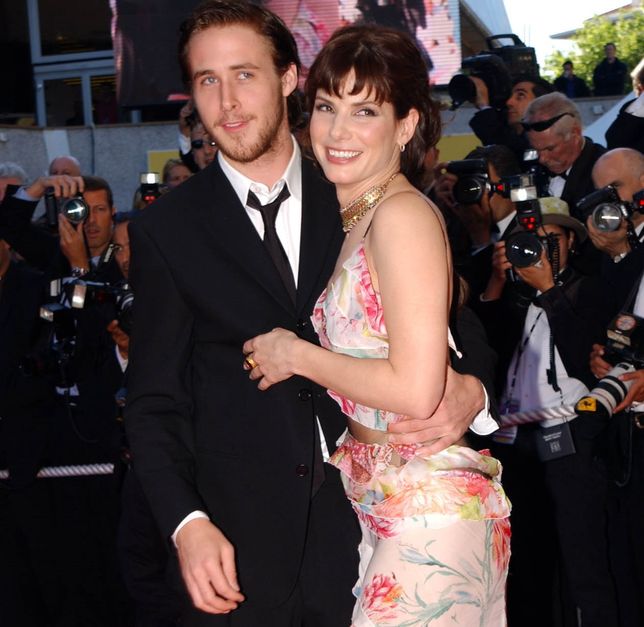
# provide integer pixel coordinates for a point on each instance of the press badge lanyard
(521, 350)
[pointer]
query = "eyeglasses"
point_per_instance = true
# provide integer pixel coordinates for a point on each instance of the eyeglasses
(198, 144)
(543, 124)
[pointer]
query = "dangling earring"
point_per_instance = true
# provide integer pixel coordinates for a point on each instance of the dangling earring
(402, 147)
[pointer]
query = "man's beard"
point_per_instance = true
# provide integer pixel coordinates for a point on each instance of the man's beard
(242, 153)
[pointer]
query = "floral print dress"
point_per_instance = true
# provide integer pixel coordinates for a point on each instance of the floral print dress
(435, 530)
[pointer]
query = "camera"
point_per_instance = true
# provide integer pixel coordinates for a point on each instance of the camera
(116, 300)
(495, 67)
(150, 188)
(606, 209)
(624, 351)
(75, 209)
(473, 180)
(524, 249)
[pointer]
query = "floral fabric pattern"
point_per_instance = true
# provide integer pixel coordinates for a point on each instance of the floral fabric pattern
(435, 542)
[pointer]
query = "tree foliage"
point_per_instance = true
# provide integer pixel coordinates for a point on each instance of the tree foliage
(625, 32)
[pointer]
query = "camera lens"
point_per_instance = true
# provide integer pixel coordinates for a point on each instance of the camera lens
(75, 210)
(523, 250)
(468, 190)
(607, 217)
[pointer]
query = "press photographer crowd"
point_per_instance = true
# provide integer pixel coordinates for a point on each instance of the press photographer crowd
(546, 229)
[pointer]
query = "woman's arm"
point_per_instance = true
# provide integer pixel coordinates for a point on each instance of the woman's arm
(407, 254)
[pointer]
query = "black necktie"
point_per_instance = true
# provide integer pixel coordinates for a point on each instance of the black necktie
(271, 240)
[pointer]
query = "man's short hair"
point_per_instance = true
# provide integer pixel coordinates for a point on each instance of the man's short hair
(554, 104)
(540, 86)
(11, 170)
(96, 184)
(567, 62)
(501, 157)
(219, 13)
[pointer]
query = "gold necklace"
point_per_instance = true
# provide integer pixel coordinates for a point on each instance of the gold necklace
(357, 209)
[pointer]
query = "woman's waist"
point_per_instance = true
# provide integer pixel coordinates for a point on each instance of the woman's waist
(368, 435)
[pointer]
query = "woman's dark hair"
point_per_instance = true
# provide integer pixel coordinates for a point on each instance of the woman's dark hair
(220, 13)
(388, 62)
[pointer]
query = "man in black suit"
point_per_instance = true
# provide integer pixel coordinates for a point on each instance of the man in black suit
(554, 129)
(234, 476)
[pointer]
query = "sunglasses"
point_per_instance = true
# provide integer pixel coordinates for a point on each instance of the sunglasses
(544, 124)
(198, 144)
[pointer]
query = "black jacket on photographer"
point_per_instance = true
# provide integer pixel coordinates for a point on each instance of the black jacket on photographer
(40, 248)
(490, 126)
(93, 373)
(578, 309)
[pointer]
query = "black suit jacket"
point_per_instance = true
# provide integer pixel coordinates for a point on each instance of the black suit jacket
(203, 436)
(579, 182)
(40, 248)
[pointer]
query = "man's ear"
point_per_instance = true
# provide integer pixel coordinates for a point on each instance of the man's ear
(289, 80)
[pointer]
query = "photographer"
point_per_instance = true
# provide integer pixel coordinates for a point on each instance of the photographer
(623, 266)
(464, 189)
(557, 489)
(72, 519)
(503, 125)
(77, 250)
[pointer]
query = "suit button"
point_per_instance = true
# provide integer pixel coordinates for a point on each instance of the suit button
(304, 395)
(301, 325)
(302, 470)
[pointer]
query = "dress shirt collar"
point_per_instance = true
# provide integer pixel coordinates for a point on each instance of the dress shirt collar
(503, 224)
(292, 176)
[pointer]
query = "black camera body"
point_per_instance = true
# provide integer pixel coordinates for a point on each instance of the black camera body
(115, 300)
(495, 67)
(524, 249)
(473, 180)
(607, 210)
(75, 209)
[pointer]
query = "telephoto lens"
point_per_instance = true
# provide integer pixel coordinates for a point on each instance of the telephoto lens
(607, 394)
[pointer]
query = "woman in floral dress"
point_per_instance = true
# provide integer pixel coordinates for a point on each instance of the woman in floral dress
(435, 545)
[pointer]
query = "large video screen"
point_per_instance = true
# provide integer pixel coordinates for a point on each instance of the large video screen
(145, 34)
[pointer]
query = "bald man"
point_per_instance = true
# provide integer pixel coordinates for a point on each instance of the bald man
(65, 164)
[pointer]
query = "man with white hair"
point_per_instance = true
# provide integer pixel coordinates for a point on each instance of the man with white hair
(10, 174)
(554, 128)
(65, 164)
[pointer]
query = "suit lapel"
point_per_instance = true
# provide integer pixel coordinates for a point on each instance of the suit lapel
(321, 237)
(224, 217)
(226, 220)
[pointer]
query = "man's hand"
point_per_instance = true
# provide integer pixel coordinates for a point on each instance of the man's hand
(613, 243)
(598, 365)
(185, 112)
(636, 392)
(120, 338)
(538, 275)
(482, 93)
(207, 563)
(72, 243)
(462, 400)
(63, 186)
(500, 265)
(444, 187)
